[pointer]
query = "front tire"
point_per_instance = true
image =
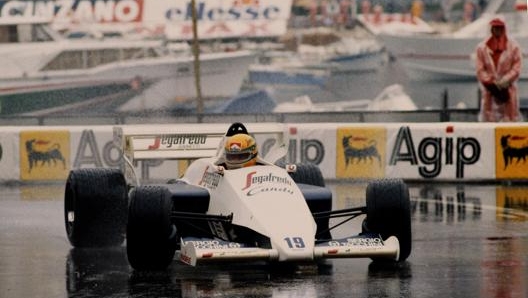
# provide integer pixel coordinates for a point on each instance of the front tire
(308, 174)
(389, 213)
(95, 207)
(151, 236)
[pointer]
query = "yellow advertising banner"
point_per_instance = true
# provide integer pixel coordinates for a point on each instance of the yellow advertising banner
(511, 152)
(44, 155)
(360, 152)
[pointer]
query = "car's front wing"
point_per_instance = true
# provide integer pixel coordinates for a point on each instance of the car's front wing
(199, 250)
(363, 246)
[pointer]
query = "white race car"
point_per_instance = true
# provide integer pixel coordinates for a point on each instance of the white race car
(272, 211)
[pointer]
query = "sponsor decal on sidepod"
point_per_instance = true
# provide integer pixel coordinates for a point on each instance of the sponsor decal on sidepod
(267, 183)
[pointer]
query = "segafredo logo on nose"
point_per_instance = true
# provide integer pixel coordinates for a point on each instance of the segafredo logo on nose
(267, 183)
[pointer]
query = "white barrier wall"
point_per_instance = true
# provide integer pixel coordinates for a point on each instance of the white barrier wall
(437, 151)
(434, 151)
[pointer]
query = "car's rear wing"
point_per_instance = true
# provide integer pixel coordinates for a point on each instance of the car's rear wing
(187, 142)
(182, 141)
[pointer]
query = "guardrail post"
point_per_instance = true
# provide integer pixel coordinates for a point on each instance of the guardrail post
(479, 95)
(444, 116)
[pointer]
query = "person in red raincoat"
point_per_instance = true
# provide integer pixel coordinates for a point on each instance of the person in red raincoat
(498, 66)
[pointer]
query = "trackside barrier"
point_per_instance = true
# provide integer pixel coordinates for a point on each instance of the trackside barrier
(429, 151)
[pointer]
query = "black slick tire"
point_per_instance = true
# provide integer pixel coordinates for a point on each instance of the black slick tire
(151, 242)
(95, 207)
(389, 213)
(308, 174)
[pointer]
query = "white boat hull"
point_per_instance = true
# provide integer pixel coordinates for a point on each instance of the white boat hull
(451, 56)
(361, 62)
(392, 98)
(157, 82)
(266, 75)
(433, 57)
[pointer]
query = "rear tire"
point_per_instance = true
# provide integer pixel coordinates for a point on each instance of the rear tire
(95, 207)
(389, 213)
(151, 236)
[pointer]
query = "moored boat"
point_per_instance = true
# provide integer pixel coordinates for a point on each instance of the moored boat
(41, 69)
(450, 56)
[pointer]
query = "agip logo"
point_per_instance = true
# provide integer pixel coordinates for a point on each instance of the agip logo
(360, 152)
(511, 152)
(44, 155)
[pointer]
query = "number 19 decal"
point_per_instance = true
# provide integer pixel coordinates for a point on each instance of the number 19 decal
(294, 242)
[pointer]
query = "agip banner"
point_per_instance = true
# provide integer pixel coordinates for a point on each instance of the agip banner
(44, 154)
(360, 152)
(417, 151)
(313, 143)
(442, 151)
(512, 152)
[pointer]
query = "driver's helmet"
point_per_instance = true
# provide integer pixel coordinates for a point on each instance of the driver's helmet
(240, 151)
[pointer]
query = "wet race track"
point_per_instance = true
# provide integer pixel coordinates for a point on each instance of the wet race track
(468, 241)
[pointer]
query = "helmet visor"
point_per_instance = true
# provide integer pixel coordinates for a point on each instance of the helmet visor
(239, 157)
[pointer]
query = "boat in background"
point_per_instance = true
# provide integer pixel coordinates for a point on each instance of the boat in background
(263, 101)
(284, 68)
(394, 23)
(392, 98)
(310, 57)
(450, 56)
(41, 69)
(339, 52)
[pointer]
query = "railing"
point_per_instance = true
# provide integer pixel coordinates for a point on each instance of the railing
(433, 115)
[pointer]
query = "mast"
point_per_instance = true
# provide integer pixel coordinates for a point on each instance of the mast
(196, 54)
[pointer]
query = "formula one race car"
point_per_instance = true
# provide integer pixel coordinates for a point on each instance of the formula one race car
(271, 211)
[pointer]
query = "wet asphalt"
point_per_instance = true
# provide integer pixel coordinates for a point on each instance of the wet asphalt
(468, 241)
